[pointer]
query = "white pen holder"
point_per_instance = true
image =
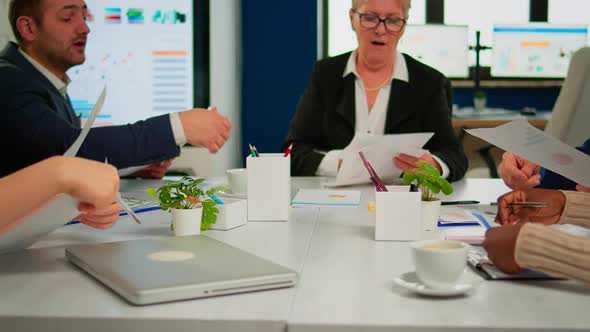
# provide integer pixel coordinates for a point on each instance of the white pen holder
(232, 213)
(397, 214)
(269, 187)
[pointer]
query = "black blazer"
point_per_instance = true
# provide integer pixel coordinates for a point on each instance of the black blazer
(325, 117)
(37, 123)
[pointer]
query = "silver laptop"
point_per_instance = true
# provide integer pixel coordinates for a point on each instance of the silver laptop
(177, 268)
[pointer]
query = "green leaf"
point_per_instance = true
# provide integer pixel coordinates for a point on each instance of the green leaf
(151, 192)
(429, 179)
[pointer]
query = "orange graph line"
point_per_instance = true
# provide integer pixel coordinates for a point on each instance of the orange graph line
(534, 44)
(170, 53)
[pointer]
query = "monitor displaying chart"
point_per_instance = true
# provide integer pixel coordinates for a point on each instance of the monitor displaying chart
(443, 47)
(142, 51)
(535, 50)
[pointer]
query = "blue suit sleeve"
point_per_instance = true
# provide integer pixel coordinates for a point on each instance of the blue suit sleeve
(552, 180)
(32, 130)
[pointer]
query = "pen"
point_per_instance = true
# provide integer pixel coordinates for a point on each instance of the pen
(376, 184)
(458, 202)
(252, 152)
(288, 150)
(256, 150)
(123, 213)
(528, 204)
(524, 204)
(372, 172)
(216, 199)
(122, 203)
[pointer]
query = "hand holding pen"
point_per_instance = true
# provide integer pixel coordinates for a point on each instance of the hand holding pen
(124, 205)
(530, 205)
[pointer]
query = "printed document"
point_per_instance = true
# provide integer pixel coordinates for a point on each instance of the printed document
(530, 143)
(379, 150)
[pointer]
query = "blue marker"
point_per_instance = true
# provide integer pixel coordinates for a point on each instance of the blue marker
(216, 199)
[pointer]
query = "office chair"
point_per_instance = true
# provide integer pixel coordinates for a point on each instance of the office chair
(570, 120)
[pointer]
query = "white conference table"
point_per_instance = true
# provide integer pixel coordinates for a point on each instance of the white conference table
(346, 283)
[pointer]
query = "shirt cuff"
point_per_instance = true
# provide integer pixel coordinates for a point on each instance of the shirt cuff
(329, 164)
(177, 129)
(445, 169)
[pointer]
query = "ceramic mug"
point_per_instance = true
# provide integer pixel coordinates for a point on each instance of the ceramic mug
(439, 263)
(237, 179)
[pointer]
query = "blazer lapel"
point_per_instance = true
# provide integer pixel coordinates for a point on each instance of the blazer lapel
(399, 108)
(12, 54)
(347, 105)
(71, 113)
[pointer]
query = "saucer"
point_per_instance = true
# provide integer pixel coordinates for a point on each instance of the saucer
(410, 281)
(229, 194)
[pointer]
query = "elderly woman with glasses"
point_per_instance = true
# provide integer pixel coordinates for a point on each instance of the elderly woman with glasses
(375, 90)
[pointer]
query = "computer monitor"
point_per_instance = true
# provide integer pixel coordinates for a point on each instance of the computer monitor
(535, 50)
(150, 56)
(443, 47)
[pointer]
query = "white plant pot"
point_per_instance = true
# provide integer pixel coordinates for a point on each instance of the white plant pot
(187, 221)
(479, 104)
(429, 215)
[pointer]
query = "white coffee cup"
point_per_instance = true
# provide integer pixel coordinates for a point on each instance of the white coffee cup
(439, 263)
(237, 179)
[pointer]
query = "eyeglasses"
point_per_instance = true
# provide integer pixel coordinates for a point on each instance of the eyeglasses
(392, 24)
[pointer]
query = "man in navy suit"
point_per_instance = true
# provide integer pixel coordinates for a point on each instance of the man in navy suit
(38, 120)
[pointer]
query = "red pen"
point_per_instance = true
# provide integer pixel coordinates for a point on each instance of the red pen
(288, 150)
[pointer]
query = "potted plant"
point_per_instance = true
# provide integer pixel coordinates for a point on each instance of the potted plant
(430, 182)
(479, 100)
(192, 208)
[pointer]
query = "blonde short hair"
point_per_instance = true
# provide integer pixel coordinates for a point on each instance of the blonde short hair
(407, 5)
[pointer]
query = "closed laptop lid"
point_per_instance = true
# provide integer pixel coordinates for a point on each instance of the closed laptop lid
(175, 268)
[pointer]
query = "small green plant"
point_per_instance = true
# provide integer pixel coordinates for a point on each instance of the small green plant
(186, 194)
(479, 94)
(428, 180)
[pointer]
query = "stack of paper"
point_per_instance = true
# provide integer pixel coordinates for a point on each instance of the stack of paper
(379, 150)
(327, 198)
(461, 215)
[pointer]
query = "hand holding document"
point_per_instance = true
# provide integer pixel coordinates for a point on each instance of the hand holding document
(530, 143)
(380, 150)
(55, 214)
(44, 221)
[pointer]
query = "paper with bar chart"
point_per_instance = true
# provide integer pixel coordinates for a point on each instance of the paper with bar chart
(143, 50)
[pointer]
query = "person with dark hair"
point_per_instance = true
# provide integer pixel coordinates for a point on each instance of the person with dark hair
(375, 90)
(38, 120)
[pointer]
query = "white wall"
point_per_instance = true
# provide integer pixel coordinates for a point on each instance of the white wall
(5, 32)
(225, 83)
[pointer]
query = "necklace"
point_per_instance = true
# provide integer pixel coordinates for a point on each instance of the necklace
(379, 86)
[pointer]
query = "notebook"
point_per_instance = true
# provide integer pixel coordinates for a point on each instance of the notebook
(477, 259)
(326, 198)
(177, 268)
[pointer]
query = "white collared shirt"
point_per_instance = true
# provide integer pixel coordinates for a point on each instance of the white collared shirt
(370, 122)
(62, 87)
